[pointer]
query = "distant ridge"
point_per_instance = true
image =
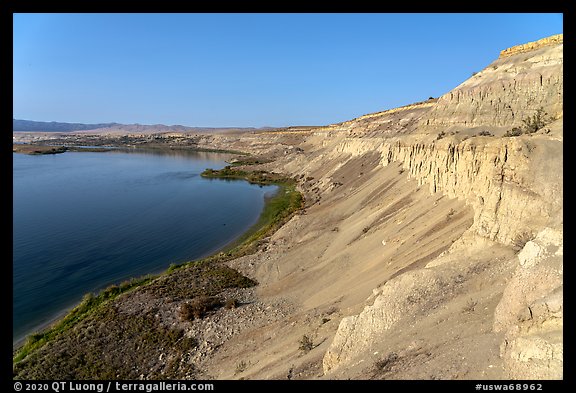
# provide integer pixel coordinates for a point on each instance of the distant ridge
(118, 128)
(53, 126)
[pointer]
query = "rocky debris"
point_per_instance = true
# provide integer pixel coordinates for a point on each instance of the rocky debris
(436, 321)
(217, 327)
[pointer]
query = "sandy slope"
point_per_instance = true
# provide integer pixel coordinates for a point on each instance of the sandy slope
(374, 226)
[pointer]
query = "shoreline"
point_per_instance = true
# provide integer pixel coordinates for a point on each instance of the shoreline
(242, 245)
(44, 326)
(41, 148)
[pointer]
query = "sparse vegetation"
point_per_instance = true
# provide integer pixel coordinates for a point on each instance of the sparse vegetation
(88, 306)
(111, 345)
(521, 239)
(470, 306)
(385, 364)
(532, 124)
(537, 121)
(485, 133)
(98, 345)
(441, 135)
(306, 344)
(248, 160)
(240, 367)
(514, 132)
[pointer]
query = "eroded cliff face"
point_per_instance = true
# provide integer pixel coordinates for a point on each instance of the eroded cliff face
(506, 92)
(513, 184)
(501, 179)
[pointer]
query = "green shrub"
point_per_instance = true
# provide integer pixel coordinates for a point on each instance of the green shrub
(537, 121)
(532, 124)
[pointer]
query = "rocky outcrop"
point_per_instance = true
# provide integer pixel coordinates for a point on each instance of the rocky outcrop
(494, 176)
(530, 46)
(396, 300)
(505, 93)
(531, 311)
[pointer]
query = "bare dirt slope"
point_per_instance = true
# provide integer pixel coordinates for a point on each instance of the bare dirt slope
(330, 259)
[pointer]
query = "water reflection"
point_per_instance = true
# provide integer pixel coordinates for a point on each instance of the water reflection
(177, 153)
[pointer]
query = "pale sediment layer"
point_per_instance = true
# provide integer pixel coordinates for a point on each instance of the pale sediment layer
(530, 46)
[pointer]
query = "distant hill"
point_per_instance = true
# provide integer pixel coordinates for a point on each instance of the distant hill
(117, 128)
(53, 126)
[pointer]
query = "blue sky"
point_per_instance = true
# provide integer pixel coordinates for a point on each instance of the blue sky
(250, 70)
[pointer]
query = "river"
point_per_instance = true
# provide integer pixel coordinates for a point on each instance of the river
(85, 220)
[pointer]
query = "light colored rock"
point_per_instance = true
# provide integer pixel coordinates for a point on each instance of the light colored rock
(398, 299)
(534, 357)
(530, 46)
(531, 311)
(547, 242)
(538, 275)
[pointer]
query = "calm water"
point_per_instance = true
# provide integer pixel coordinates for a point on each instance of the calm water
(83, 221)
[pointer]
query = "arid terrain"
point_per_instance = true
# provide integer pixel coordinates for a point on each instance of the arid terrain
(429, 247)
